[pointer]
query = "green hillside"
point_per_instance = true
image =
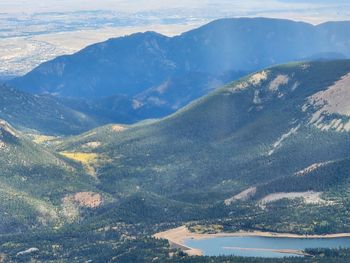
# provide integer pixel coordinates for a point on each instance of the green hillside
(226, 136)
(255, 132)
(269, 152)
(33, 184)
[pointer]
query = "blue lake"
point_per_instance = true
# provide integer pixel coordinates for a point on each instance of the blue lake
(229, 245)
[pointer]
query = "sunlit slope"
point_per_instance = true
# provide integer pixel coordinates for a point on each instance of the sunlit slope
(262, 127)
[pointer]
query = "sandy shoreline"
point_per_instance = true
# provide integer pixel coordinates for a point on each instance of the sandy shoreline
(177, 237)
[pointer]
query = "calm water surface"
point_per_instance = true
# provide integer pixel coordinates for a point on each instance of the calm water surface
(218, 246)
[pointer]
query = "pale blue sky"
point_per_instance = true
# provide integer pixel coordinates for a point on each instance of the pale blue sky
(142, 5)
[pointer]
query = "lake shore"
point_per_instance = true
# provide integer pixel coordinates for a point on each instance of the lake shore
(178, 236)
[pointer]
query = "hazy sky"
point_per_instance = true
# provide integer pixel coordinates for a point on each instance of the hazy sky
(309, 10)
(142, 5)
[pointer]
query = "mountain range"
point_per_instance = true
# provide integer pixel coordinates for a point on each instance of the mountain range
(155, 75)
(268, 151)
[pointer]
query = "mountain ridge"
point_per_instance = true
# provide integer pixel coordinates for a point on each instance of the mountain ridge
(142, 65)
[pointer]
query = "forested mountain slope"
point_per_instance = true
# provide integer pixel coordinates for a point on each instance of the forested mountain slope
(267, 152)
(263, 119)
